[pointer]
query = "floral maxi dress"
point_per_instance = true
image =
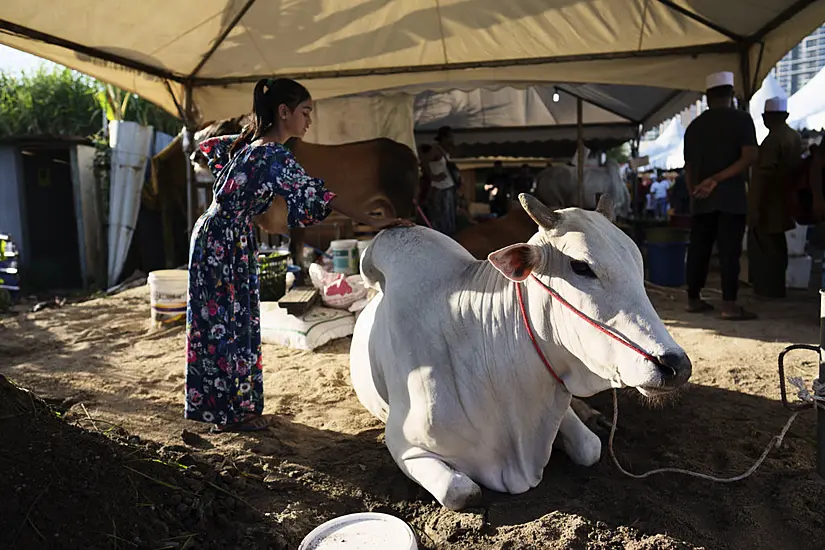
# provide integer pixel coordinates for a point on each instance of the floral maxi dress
(224, 378)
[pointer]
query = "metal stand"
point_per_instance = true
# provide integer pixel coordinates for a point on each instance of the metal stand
(820, 411)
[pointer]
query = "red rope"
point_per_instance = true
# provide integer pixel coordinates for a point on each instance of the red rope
(422, 214)
(529, 328)
(595, 324)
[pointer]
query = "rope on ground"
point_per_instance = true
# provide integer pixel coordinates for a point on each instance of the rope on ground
(817, 398)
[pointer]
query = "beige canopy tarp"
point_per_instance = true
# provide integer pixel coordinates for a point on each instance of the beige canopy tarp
(217, 48)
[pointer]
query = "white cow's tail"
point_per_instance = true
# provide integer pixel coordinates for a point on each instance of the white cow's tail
(372, 276)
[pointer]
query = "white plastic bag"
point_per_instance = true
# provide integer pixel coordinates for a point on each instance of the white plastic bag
(337, 291)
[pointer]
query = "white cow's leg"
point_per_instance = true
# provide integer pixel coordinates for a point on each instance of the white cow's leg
(577, 441)
(451, 488)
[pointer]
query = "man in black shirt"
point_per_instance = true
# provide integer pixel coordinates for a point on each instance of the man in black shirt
(720, 145)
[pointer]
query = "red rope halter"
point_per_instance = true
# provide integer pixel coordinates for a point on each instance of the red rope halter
(604, 329)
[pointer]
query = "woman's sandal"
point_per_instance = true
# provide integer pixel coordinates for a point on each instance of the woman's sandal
(254, 424)
(699, 307)
(741, 314)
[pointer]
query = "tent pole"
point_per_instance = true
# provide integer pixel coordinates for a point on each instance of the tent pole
(188, 147)
(580, 150)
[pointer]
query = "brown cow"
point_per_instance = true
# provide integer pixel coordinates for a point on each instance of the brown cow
(486, 237)
(380, 174)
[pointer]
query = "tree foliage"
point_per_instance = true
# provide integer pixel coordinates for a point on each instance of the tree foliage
(59, 101)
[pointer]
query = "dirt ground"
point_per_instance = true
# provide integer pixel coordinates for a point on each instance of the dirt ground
(324, 456)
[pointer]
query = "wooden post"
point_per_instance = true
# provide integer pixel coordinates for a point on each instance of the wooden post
(580, 150)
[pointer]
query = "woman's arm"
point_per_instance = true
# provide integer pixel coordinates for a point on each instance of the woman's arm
(344, 206)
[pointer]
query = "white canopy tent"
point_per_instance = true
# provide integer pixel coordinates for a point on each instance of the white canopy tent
(807, 106)
(546, 112)
(200, 57)
(667, 150)
(770, 88)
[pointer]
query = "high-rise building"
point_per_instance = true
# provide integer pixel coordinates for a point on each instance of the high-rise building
(801, 63)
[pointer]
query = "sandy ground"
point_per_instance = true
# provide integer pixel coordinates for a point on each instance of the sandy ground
(325, 456)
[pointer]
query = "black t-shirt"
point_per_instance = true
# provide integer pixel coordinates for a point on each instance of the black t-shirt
(713, 142)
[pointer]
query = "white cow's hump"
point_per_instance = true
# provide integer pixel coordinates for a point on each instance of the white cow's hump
(415, 255)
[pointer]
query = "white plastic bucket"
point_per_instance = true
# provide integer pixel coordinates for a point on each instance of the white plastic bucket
(168, 290)
(364, 531)
(345, 256)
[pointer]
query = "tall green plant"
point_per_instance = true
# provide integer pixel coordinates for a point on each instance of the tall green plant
(59, 101)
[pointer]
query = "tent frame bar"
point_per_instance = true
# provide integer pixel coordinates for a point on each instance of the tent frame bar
(704, 49)
(610, 110)
(13, 28)
(790, 12)
(659, 106)
(218, 41)
(702, 21)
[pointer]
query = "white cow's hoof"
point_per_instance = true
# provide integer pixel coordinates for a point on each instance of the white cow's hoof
(462, 492)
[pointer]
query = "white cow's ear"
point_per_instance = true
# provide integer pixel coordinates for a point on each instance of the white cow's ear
(517, 261)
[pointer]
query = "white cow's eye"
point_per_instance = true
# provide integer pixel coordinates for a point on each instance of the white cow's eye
(582, 269)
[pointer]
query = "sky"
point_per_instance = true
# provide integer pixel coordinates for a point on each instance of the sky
(12, 60)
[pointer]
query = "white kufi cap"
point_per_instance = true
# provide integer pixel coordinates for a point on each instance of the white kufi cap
(716, 80)
(776, 105)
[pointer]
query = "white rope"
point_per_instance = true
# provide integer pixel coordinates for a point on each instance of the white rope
(816, 398)
(776, 442)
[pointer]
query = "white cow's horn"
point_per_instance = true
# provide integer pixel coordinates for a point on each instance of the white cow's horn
(543, 216)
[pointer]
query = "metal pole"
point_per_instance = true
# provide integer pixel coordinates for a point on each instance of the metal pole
(188, 147)
(580, 145)
(820, 412)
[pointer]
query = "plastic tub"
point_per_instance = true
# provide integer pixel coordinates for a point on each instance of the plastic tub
(345, 256)
(168, 293)
(666, 263)
(364, 531)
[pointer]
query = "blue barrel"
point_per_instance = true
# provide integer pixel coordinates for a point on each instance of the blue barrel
(666, 263)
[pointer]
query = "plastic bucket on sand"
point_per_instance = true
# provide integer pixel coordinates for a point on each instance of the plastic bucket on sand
(364, 531)
(666, 263)
(167, 290)
(345, 256)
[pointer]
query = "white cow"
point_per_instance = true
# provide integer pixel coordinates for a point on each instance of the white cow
(558, 186)
(444, 356)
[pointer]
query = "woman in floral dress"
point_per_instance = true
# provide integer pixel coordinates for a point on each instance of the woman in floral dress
(256, 179)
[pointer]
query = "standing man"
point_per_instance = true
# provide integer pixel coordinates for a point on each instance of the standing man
(659, 189)
(444, 181)
(768, 218)
(720, 145)
(498, 184)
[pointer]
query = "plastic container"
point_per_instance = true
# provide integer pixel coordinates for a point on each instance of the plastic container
(798, 274)
(797, 239)
(345, 256)
(272, 275)
(666, 263)
(168, 293)
(364, 531)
